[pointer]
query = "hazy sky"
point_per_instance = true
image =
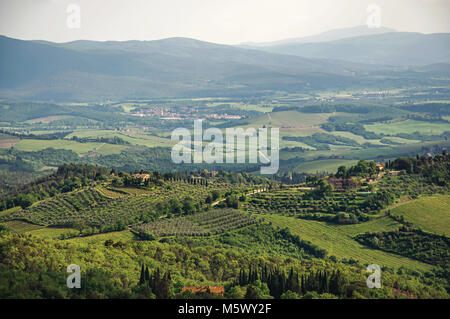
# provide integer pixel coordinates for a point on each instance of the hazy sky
(221, 21)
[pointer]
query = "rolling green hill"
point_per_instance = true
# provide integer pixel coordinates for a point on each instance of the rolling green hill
(431, 214)
(206, 229)
(338, 241)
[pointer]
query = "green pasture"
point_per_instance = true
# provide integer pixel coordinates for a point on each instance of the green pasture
(31, 145)
(338, 241)
(431, 214)
(329, 165)
(131, 137)
(408, 126)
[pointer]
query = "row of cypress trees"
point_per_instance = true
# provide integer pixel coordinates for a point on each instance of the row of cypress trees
(278, 282)
(158, 282)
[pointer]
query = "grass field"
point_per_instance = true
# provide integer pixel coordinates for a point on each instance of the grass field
(401, 140)
(22, 227)
(48, 119)
(244, 106)
(284, 143)
(362, 140)
(376, 225)
(432, 214)
(129, 106)
(36, 230)
(50, 232)
(7, 141)
(330, 165)
(124, 235)
(409, 126)
(338, 241)
(357, 138)
(292, 121)
(54, 232)
(7, 137)
(30, 145)
(131, 137)
(387, 152)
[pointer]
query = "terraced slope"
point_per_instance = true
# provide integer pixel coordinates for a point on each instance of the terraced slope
(202, 224)
(110, 208)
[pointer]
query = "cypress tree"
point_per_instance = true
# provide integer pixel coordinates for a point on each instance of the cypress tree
(142, 279)
(163, 287)
(325, 282)
(303, 285)
(292, 282)
(147, 274)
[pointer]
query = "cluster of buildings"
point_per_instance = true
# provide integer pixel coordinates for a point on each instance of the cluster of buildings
(167, 113)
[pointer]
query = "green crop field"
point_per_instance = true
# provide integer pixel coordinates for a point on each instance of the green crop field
(375, 225)
(244, 106)
(51, 232)
(285, 143)
(292, 121)
(432, 214)
(4, 136)
(368, 153)
(409, 126)
(124, 235)
(400, 140)
(131, 137)
(30, 145)
(330, 165)
(21, 226)
(338, 241)
(358, 138)
(362, 140)
(48, 119)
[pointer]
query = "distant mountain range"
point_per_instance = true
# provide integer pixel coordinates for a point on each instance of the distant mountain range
(181, 67)
(391, 48)
(331, 35)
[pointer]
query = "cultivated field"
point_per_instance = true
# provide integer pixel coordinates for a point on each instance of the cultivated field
(132, 137)
(320, 166)
(21, 226)
(124, 235)
(432, 214)
(292, 121)
(409, 126)
(338, 241)
(208, 223)
(102, 207)
(30, 145)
